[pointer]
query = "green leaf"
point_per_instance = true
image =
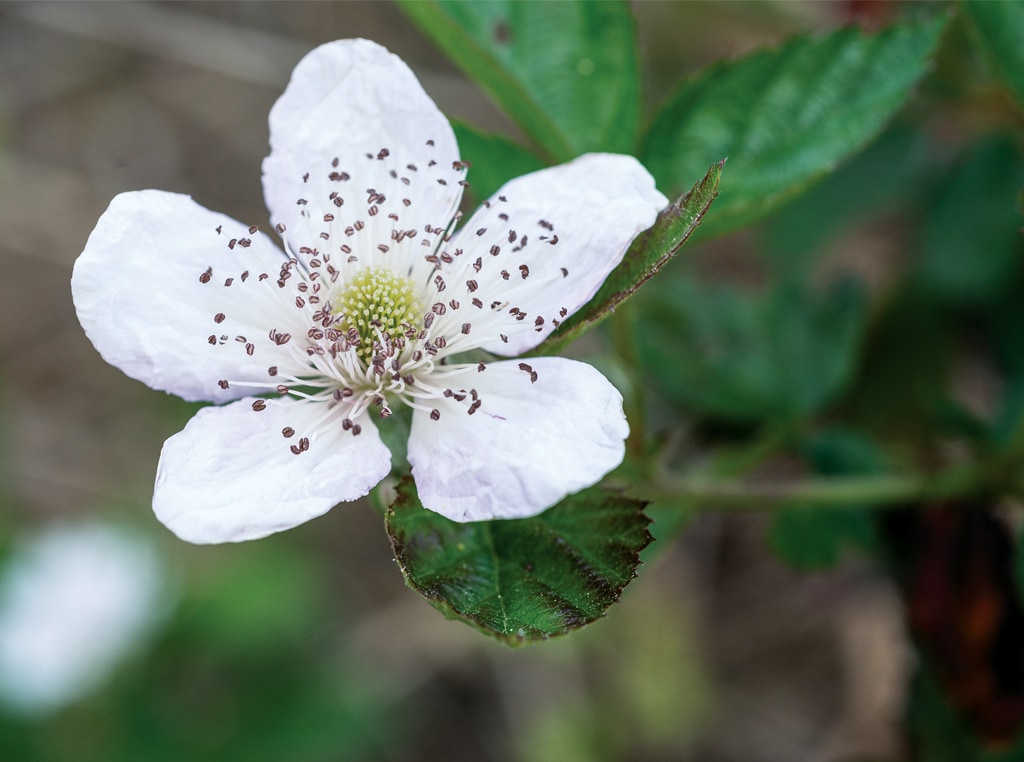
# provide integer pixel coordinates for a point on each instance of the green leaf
(495, 160)
(731, 355)
(814, 537)
(972, 244)
(648, 254)
(567, 73)
(785, 117)
(999, 28)
(799, 234)
(522, 580)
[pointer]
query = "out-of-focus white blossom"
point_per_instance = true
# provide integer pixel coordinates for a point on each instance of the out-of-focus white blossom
(74, 599)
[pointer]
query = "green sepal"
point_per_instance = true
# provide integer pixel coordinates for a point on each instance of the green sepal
(648, 254)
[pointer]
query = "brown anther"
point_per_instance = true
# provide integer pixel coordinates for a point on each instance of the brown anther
(287, 432)
(259, 405)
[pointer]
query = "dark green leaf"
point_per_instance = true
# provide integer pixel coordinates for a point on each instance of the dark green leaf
(801, 232)
(731, 355)
(566, 72)
(785, 117)
(999, 27)
(522, 580)
(495, 160)
(972, 243)
(814, 537)
(648, 254)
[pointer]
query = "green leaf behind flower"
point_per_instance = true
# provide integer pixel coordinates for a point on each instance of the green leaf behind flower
(494, 160)
(727, 354)
(785, 117)
(999, 28)
(567, 73)
(522, 580)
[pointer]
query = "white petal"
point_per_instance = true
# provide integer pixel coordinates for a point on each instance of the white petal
(230, 474)
(528, 445)
(577, 220)
(355, 112)
(139, 296)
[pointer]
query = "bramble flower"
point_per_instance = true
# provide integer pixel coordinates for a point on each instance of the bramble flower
(374, 303)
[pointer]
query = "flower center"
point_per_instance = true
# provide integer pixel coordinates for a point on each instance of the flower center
(377, 303)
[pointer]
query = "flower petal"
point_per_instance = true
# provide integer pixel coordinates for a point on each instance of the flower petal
(355, 136)
(141, 297)
(549, 240)
(230, 475)
(543, 430)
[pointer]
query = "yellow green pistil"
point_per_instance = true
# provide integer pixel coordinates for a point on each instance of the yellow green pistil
(376, 301)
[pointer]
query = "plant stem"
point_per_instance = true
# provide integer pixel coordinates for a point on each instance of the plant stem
(834, 492)
(623, 342)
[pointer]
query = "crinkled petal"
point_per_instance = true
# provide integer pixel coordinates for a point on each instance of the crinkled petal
(538, 435)
(361, 153)
(545, 242)
(141, 297)
(230, 474)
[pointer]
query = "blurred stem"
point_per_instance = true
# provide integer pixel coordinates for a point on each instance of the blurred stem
(674, 509)
(836, 492)
(622, 324)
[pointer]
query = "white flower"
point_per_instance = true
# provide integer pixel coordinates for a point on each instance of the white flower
(73, 601)
(369, 307)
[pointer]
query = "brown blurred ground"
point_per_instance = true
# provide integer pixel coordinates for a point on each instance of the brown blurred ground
(717, 652)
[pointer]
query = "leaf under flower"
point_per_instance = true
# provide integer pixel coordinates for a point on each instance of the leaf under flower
(524, 580)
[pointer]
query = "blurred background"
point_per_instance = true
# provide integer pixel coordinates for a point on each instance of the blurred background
(307, 645)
